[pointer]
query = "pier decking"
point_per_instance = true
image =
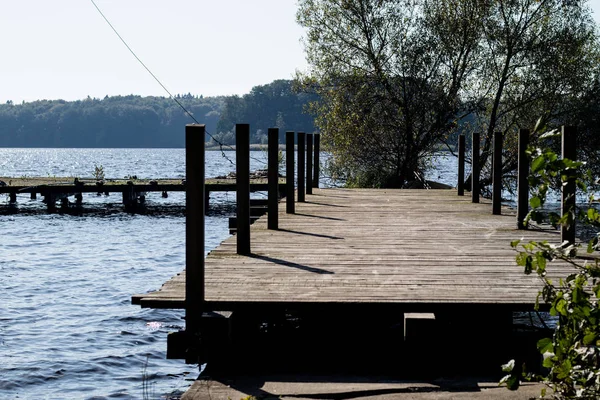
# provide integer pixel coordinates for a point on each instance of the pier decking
(419, 249)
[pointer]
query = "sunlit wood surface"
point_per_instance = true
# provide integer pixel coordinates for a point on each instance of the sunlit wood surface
(411, 247)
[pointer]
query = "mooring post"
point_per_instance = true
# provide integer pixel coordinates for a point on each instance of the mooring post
(33, 195)
(523, 179)
(475, 168)
(461, 165)
(206, 200)
(317, 139)
(194, 236)
(242, 178)
(301, 166)
(497, 175)
(309, 160)
(273, 171)
(569, 150)
(12, 197)
(289, 173)
(50, 199)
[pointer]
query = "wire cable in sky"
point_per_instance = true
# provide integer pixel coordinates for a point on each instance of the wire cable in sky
(221, 145)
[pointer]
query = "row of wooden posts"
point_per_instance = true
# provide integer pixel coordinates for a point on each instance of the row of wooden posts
(307, 178)
(569, 150)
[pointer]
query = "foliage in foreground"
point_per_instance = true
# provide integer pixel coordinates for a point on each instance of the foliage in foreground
(572, 355)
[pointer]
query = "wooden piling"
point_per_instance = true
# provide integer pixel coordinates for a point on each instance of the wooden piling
(242, 163)
(301, 166)
(461, 165)
(497, 175)
(273, 171)
(523, 179)
(12, 197)
(475, 168)
(309, 160)
(194, 235)
(290, 205)
(569, 151)
(317, 139)
(50, 200)
(33, 195)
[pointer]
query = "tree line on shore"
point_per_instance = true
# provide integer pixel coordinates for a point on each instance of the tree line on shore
(135, 121)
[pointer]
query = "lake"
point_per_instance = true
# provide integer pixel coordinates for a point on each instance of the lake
(67, 326)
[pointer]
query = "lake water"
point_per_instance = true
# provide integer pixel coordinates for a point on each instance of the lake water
(67, 326)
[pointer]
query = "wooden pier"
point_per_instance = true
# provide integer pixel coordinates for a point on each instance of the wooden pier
(375, 281)
(354, 256)
(423, 250)
(133, 191)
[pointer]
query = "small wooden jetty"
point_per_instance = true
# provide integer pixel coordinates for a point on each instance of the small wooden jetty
(133, 191)
(363, 279)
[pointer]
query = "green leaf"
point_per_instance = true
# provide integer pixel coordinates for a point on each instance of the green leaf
(535, 202)
(515, 243)
(545, 345)
(548, 362)
(541, 261)
(538, 163)
(589, 338)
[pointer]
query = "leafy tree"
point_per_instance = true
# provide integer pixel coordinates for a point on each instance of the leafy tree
(389, 78)
(397, 77)
(536, 57)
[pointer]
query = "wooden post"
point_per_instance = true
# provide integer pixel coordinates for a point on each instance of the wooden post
(206, 200)
(273, 170)
(50, 199)
(309, 160)
(475, 168)
(497, 175)
(523, 179)
(301, 166)
(194, 235)
(317, 139)
(242, 177)
(12, 197)
(569, 150)
(290, 205)
(33, 195)
(461, 165)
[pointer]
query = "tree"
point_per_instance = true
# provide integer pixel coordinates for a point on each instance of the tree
(535, 58)
(397, 76)
(389, 86)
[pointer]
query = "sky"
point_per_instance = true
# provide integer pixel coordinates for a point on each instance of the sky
(63, 49)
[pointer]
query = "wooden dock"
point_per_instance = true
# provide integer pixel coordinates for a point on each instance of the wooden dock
(423, 250)
(133, 191)
(388, 281)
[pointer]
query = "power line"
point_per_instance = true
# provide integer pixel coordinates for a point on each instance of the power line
(221, 145)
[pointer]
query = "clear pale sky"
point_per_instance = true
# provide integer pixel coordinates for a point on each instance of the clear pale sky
(63, 49)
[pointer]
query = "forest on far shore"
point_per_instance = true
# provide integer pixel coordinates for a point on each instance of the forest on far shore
(135, 121)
